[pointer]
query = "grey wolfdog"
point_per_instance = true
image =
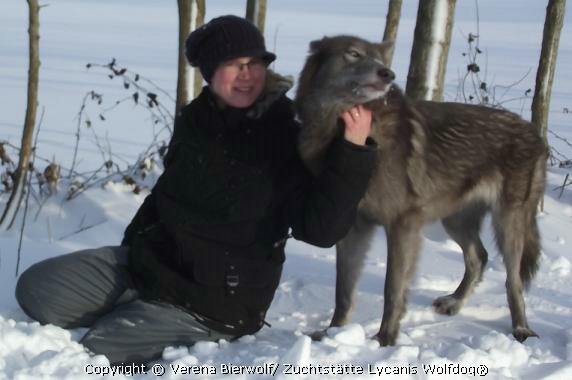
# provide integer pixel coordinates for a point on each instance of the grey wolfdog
(448, 161)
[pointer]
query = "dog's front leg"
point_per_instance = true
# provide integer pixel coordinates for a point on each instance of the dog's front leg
(351, 252)
(403, 245)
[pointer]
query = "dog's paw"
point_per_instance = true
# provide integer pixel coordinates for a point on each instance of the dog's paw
(522, 333)
(385, 338)
(317, 336)
(447, 305)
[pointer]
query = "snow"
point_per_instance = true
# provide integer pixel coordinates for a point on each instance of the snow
(430, 346)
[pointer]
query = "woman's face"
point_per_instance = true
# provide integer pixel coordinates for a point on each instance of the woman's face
(238, 82)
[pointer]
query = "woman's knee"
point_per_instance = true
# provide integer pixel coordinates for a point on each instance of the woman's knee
(73, 290)
(28, 285)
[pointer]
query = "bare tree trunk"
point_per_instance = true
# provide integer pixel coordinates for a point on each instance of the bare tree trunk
(18, 190)
(201, 10)
(430, 49)
(183, 75)
(191, 16)
(256, 12)
(391, 25)
(547, 65)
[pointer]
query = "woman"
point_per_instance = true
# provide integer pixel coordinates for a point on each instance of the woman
(202, 257)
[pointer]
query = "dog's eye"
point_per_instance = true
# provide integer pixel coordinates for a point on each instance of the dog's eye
(352, 55)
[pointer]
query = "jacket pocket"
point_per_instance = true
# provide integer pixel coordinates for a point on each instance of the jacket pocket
(220, 270)
(249, 283)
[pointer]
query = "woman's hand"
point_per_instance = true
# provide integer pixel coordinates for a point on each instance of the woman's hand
(358, 124)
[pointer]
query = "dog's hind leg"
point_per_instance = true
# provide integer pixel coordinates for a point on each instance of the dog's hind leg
(514, 220)
(350, 255)
(403, 245)
(464, 227)
(517, 237)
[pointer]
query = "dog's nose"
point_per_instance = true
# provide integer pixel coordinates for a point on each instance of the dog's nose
(386, 74)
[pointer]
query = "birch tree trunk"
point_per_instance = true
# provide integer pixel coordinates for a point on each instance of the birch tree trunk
(189, 80)
(256, 13)
(11, 210)
(391, 26)
(547, 65)
(430, 49)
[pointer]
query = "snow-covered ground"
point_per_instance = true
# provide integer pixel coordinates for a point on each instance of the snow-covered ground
(143, 38)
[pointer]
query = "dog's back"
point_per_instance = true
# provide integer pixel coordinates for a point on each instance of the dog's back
(449, 154)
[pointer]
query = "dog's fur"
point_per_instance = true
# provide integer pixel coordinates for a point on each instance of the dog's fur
(436, 160)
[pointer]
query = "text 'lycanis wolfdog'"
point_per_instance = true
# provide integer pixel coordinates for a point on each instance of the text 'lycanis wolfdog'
(448, 161)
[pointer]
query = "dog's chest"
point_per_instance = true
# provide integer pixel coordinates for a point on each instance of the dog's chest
(388, 193)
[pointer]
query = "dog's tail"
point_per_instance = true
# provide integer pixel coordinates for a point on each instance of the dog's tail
(531, 252)
(531, 249)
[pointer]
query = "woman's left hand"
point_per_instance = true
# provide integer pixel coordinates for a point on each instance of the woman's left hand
(358, 124)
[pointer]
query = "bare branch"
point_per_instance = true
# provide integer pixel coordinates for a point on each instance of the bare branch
(81, 229)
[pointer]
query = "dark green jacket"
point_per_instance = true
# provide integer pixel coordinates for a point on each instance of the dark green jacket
(210, 237)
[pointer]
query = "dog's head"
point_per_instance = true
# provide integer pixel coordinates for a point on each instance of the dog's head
(346, 70)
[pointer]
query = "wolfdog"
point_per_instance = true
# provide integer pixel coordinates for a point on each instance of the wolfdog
(448, 161)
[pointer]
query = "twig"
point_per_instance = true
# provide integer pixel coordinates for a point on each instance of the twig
(510, 86)
(81, 188)
(78, 130)
(12, 146)
(82, 229)
(122, 71)
(560, 138)
(567, 182)
(478, 22)
(99, 145)
(564, 184)
(41, 204)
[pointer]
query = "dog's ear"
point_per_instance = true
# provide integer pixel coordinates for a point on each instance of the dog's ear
(311, 68)
(386, 48)
(316, 45)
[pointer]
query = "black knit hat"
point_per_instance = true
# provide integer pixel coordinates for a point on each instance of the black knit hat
(224, 38)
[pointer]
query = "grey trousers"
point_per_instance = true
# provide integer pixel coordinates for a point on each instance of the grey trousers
(92, 288)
